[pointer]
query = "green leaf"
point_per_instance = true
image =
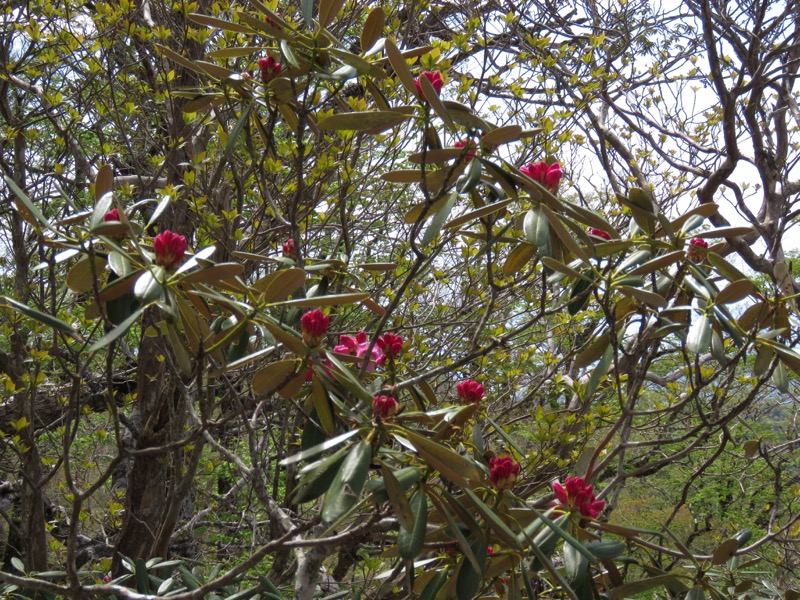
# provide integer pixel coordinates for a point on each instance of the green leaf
(48, 320)
(411, 539)
(397, 499)
(27, 209)
(119, 330)
(469, 579)
(438, 220)
(336, 300)
(471, 177)
(576, 565)
(495, 522)
(358, 121)
(606, 549)
(313, 451)
(148, 288)
(725, 551)
(406, 477)
(536, 227)
(373, 28)
(316, 479)
(634, 588)
(698, 340)
(234, 134)
(274, 375)
(450, 464)
(328, 9)
(348, 483)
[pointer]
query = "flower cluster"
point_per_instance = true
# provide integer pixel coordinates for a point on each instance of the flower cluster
(269, 68)
(434, 77)
(169, 248)
(599, 233)
(548, 175)
(576, 496)
(470, 391)
(384, 407)
(694, 251)
(503, 471)
(315, 325)
(358, 346)
(470, 146)
(391, 344)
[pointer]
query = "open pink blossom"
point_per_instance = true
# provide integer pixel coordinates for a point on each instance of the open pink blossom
(358, 346)
(470, 146)
(577, 497)
(269, 68)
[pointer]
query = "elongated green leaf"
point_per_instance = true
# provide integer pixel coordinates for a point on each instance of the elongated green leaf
(536, 227)
(358, 121)
(629, 590)
(400, 67)
(451, 465)
(698, 339)
(397, 498)
(48, 320)
(317, 481)
(313, 451)
(495, 522)
(27, 208)
(220, 24)
(406, 477)
(234, 134)
(438, 220)
(411, 539)
(348, 483)
(119, 330)
(470, 579)
(336, 300)
(373, 28)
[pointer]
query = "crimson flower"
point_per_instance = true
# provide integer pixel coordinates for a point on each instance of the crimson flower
(471, 147)
(548, 175)
(503, 471)
(576, 496)
(315, 325)
(470, 391)
(436, 81)
(384, 407)
(169, 248)
(599, 233)
(693, 250)
(289, 249)
(112, 215)
(269, 68)
(391, 344)
(358, 346)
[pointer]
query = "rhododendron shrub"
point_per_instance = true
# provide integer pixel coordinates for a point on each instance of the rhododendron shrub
(296, 384)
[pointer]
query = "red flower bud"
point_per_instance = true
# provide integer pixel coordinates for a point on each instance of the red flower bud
(391, 344)
(269, 68)
(289, 249)
(470, 391)
(503, 471)
(548, 175)
(575, 496)
(436, 81)
(315, 325)
(112, 215)
(693, 249)
(599, 233)
(384, 407)
(470, 146)
(169, 248)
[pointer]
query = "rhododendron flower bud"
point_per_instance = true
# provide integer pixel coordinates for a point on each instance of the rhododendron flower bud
(599, 233)
(384, 407)
(503, 471)
(472, 148)
(358, 346)
(269, 68)
(470, 391)
(577, 497)
(434, 77)
(315, 325)
(112, 215)
(693, 250)
(548, 175)
(391, 344)
(289, 249)
(169, 248)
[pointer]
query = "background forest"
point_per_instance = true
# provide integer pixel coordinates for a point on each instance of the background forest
(422, 299)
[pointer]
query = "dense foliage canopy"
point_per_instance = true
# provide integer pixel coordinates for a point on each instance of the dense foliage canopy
(427, 300)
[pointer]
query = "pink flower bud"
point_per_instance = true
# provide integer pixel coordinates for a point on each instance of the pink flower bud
(694, 251)
(503, 472)
(470, 391)
(269, 68)
(548, 175)
(289, 249)
(112, 215)
(169, 248)
(471, 148)
(315, 325)
(435, 77)
(384, 407)
(577, 497)
(391, 344)
(599, 233)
